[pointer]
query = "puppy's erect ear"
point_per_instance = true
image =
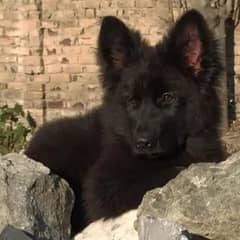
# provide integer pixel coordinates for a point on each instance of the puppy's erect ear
(115, 44)
(189, 41)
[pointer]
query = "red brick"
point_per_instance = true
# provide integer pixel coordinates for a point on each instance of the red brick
(53, 68)
(145, 3)
(30, 60)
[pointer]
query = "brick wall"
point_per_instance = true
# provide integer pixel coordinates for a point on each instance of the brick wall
(47, 58)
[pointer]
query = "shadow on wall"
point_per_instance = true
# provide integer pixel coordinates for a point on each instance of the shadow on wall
(230, 24)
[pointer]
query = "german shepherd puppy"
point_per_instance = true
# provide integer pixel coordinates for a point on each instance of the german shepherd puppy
(160, 113)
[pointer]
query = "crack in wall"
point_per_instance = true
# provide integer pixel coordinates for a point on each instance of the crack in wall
(41, 49)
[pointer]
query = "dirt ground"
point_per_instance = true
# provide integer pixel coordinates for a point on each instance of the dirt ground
(232, 138)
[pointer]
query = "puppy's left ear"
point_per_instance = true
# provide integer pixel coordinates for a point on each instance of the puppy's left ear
(115, 44)
(190, 43)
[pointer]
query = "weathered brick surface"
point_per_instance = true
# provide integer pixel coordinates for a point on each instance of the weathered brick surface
(47, 49)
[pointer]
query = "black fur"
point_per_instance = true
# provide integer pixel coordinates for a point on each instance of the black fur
(160, 113)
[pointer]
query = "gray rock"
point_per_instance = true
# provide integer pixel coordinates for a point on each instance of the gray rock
(33, 200)
(12, 233)
(204, 199)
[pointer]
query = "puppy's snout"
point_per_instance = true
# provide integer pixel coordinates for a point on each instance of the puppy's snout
(143, 144)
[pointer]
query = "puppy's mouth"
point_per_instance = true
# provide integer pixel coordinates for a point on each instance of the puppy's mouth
(157, 154)
(149, 155)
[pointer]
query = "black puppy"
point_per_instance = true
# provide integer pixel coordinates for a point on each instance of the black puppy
(160, 111)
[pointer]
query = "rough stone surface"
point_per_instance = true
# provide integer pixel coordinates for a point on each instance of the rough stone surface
(121, 228)
(33, 200)
(204, 199)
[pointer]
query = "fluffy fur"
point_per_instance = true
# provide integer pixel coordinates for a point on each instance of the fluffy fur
(160, 113)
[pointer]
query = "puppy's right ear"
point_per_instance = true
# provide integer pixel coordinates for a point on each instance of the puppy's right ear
(115, 45)
(191, 46)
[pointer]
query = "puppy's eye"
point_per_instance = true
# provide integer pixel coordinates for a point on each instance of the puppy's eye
(166, 98)
(133, 102)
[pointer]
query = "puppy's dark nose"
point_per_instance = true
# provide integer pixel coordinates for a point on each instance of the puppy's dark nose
(143, 144)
